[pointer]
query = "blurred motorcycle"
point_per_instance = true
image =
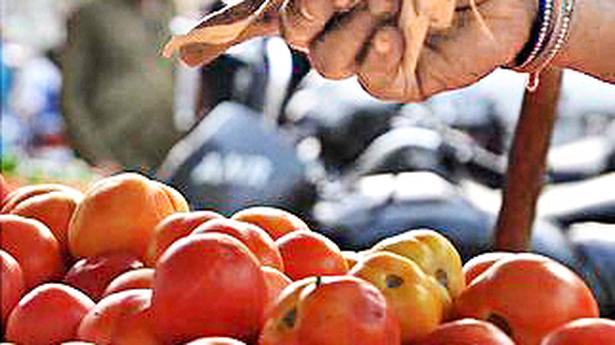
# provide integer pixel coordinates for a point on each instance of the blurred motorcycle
(237, 156)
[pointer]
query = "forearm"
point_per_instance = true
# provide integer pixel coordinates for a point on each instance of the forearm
(591, 43)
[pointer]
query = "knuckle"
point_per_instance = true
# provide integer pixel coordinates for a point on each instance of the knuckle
(330, 66)
(379, 90)
(295, 31)
(384, 8)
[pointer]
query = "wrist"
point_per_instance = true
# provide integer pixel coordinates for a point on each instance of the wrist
(578, 37)
(550, 32)
(591, 43)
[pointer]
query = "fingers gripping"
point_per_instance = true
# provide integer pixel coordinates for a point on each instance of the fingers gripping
(336, 52)
(304, 20)
(338, 34)
(383, 72)
(381, 65)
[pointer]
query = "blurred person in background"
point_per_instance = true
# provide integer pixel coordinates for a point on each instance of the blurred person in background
(118, 94)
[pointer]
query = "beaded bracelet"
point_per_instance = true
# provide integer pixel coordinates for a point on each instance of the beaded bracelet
(553, 28)
(541, 27)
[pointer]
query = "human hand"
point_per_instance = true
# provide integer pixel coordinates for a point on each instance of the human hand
(396, 50)
(361, 41)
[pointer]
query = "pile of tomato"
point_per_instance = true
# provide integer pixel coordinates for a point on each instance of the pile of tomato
(127, 262)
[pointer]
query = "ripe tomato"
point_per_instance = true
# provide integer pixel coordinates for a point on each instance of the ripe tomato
(120, 213)
(172, 228)
(92, 275)
(4, 190)
(276, 222)
(52, 205)
(307, 253)
(340, 310)
(467, 332)
(208, 285)
(136, 329)
(141, 278)
(11, 284)
(23, 193)
(527, 296)
(275, 281)
(255, 238)
(216, 341)
(414, 296)
(434, 253)
(583, 331)
(48, 314)
(34, 247)
(102, 323)
(481, 263)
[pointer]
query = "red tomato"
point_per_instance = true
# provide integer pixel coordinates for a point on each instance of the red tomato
(34, 247)
(527, 296)
(216, 341)
(208, 285)
(51, 204)
(172, 228)
(583, 332)
(307, 254)
(48, 314)
(341, 310)
(23, 193)
(11, 284)
(255, 238)
(480, 263)
(275, 221)
(141, 278)
(101, 324)
(275, 281)
(4, 190)
(467, 332)
(92, 275)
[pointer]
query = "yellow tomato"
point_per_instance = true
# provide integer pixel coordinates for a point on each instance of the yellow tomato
(434, 253)
(414, 296)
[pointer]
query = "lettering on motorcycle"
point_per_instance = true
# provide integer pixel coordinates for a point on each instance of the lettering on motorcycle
(232, 168)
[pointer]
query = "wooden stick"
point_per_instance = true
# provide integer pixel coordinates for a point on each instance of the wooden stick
(526, 164)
